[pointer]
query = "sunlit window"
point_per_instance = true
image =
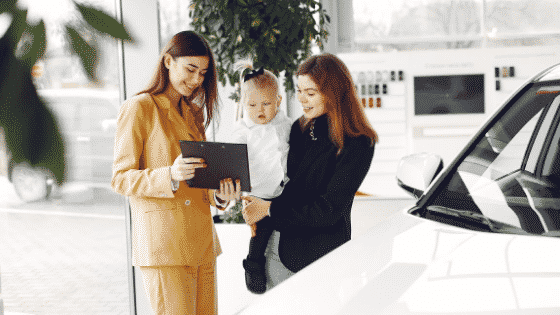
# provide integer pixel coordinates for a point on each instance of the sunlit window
(399, 25)
(173, 18)
(522, 23)
(64, 247)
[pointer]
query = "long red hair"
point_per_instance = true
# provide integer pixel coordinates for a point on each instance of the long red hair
(189, 43)
(344, 111)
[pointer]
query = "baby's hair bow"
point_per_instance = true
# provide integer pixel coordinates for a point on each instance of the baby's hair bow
(252, 74)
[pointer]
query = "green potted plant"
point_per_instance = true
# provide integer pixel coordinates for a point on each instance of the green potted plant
(275, 34)
(233, 214)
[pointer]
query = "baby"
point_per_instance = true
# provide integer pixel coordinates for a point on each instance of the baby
(266, 130)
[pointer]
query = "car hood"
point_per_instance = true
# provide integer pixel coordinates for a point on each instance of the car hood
(410, 265)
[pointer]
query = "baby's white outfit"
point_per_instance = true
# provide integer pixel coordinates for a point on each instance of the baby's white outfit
(267, 148)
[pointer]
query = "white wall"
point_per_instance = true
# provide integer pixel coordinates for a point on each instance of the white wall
(401, 132)
(140, 59)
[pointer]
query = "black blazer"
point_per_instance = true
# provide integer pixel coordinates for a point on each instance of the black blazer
(313, 212)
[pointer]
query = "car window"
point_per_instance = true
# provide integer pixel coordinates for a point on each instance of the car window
(510, 156)
(541, 137)
(552, 161)
(493, 180)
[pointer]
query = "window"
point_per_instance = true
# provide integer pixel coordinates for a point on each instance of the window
(418, 25)
(173, 18)
(64, 248)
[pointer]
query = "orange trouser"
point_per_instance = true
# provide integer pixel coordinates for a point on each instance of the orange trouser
(180, 290)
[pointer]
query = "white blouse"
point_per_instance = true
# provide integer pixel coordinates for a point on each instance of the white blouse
(267, 147)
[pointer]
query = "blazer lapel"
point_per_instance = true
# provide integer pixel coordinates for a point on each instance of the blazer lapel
(190, 123)
(313, 148)
(185, 127)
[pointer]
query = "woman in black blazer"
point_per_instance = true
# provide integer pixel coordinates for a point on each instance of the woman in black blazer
(331, 148)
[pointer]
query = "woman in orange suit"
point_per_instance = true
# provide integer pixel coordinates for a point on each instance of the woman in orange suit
(174, 242)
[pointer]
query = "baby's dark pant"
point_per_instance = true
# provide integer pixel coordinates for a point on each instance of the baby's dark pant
(258, 244)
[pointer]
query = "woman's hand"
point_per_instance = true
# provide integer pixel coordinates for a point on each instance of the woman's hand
(253, 230)
(228, 191)
(254, 209)
(183, 168)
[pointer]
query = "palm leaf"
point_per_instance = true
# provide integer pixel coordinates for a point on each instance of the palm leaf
(87, 54)
(103, 22)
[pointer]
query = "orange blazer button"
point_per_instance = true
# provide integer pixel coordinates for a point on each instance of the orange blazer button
(188, 202)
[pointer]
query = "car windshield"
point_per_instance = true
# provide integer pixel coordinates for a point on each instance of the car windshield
(512, 173)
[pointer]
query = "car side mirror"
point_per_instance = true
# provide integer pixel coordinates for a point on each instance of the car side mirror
(416, 171)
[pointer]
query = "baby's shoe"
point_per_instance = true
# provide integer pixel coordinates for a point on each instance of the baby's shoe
(255, 277)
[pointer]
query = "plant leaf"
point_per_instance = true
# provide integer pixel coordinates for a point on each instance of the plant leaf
(16, 29)
(30, 128)
(103, 22)
(7, 6)
(39, 44)
(86, 52)
(270, 9)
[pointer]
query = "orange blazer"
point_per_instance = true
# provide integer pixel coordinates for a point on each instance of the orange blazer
(168, 228)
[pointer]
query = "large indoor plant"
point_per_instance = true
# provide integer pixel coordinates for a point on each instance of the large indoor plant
(275, 34)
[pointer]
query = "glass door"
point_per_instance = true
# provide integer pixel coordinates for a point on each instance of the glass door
(63, 248)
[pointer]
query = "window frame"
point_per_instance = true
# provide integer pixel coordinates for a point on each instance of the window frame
(548, 142)
(531, 161)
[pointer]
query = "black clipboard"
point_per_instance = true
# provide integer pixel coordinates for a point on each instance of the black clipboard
(223, 160)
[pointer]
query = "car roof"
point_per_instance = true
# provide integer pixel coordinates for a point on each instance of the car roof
(550, 74)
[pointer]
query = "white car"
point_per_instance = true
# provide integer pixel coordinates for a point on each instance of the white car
(483, 237)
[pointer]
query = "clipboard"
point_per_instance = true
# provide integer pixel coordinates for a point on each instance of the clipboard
(223, 160)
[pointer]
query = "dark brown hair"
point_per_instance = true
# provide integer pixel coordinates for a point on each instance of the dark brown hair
(189, 43)
(344, 111)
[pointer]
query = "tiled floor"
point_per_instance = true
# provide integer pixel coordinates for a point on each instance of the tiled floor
(63, 265)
